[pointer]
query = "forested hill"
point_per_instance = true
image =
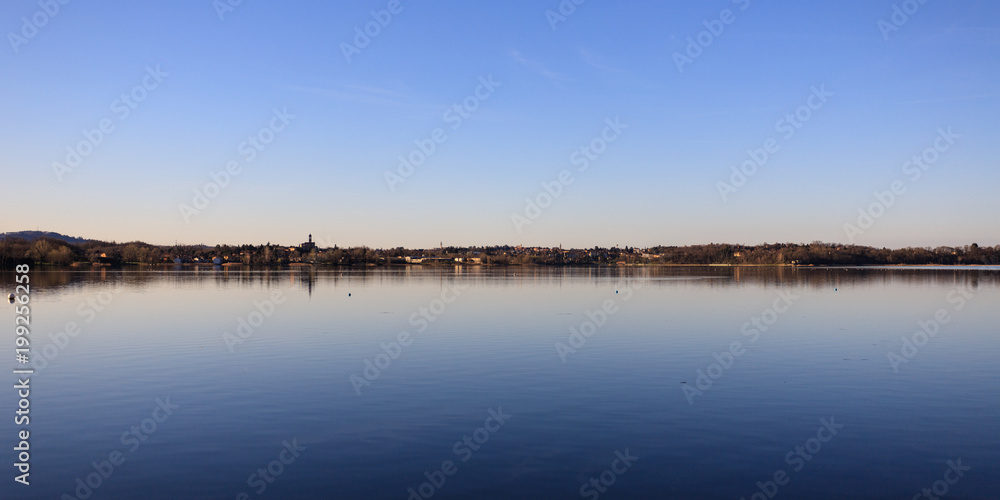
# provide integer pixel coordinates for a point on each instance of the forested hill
(34, 235)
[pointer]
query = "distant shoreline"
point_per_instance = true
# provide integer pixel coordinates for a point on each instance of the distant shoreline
(46, 250)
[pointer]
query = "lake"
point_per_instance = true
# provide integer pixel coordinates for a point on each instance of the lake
(547, 383)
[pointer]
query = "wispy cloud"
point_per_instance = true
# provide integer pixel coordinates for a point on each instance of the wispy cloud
(537, 67)
(723, 112)
(953, 98)
(592, 60)
(355, 93)
(968, 32)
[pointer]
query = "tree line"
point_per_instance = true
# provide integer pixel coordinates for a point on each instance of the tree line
(51, 251)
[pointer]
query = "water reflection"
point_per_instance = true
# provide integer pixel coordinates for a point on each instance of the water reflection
(149, 333)
(308, 277)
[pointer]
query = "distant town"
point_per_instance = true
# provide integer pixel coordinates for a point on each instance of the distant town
(58, 250)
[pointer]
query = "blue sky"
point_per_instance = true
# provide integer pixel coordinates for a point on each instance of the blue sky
(656, 183)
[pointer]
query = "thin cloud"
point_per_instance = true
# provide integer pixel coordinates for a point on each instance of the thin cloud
(536, 67)
(354, 93)
(375, 90)
(723, 112)
(592, 60)
(952, 99)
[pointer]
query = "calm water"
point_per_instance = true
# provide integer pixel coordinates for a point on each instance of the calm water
(811, 407)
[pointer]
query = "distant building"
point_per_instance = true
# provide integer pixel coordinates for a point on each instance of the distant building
(426, 260)
(308, 246)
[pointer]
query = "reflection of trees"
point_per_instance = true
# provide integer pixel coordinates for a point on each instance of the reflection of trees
(49, 279)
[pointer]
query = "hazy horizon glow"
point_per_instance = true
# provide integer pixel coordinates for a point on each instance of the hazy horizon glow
(844, 95)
